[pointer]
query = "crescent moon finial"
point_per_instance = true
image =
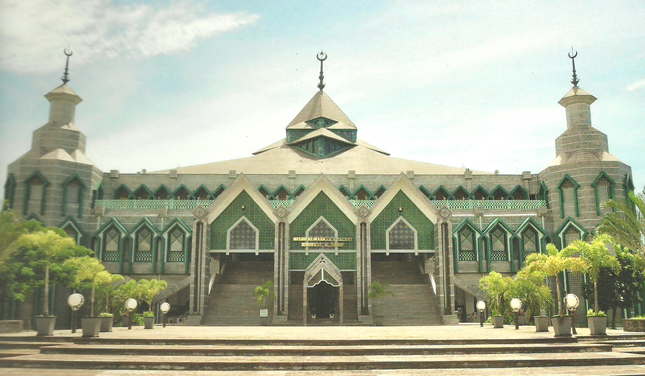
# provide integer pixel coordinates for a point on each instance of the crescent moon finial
(65, 77)
(321, 56)
(572, 55)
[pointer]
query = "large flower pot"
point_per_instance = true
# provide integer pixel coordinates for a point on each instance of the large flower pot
(91, 326)
(378, 320)
(106, 324)
(264, 317)
(149, 322)
(597, 325)
(498, 321)
(561, 326)
(633, 325)
(45, 325)
(541, 323)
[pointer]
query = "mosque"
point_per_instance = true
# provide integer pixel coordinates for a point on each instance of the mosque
(320, 214)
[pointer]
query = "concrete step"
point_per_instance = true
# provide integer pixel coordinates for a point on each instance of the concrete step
(397, 272)
(339, 351)
(231, 305)
(327, 363)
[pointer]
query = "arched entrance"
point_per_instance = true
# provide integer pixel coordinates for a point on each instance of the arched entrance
(322, 291)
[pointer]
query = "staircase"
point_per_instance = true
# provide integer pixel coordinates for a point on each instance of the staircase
(413, 302)
(231, 302)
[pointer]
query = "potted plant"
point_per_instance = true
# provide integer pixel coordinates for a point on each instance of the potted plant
(634, 324)
(87, 272)
(106, 283)
(597, 322)
(529, 288)
(43, 249)
(552, 264)
(377, 292)
(148, 320)
(495, 286)
(262, 294)
(149, 289)
(107, 321)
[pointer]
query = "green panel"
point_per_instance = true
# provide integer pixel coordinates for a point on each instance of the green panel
(412, 214)
(323, 206)
(344, 261)
(233, 213)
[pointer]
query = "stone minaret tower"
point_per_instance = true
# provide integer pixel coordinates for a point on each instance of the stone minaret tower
(54, 181)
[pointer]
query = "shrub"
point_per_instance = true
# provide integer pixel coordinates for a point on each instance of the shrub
(591, 313)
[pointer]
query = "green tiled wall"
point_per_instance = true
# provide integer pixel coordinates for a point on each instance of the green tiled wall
(412, 214)
(323, 206)
(233, 213)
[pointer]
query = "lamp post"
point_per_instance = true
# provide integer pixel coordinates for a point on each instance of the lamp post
(481, 306)
(165, 307)
(572, 301)
(516, 304)
(75, 301)
(130, 305)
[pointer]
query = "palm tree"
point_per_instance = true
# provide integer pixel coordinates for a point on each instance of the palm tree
(553, 264)
(627, 223)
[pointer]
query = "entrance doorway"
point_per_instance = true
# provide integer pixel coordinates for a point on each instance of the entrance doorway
(322, 300)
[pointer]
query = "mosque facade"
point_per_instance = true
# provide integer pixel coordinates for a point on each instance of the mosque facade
(320, 214)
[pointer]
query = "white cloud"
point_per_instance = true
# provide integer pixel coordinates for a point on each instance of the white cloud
(31, 31)
(636, 86)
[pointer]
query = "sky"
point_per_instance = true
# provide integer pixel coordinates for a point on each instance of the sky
(473, 84)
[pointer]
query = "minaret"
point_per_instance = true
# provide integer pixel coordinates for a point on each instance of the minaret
(580, 141)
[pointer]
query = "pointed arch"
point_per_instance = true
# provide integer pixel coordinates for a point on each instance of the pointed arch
(298, 191)
(569, 231)
(467, 237)
(534, 242)
(162, 193)
(264, 191)
(35, 179)
(498, 193)
(142, 193)
(73, 229)
(182, 193)
(479, 193)
(10, 189)
(97, 193)
(440, 193)
(217, 191)
(362, 193)
(568, 189)
(379, 192)
(460, 193)
(499, 242)
(519, 193)
(202, 193)
(281, 193)
(321, 228)
(243, 236)
(108, 242)
(33, 217)
(543, 193)
(144, 235)
(603, 190)
(176, 240)
(345, 191)
(401, 236)
(122, 192)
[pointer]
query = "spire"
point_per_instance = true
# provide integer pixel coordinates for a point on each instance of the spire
(65, 77)
(575, 79)
(321, 57)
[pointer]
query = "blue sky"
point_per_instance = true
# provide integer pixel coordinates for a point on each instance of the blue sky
(459, 83)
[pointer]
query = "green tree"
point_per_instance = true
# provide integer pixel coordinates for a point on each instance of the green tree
(554, 263)
(88, 270)
(597, 257)
(10, 229)
(37, 258)
(495, 286)
(106, 284)
(530, 289)
(130, 289)
(149, 289)
(378, 291)
(263, 292)
(626, 225)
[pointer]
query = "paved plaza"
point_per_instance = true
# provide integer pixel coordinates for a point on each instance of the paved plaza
(467, 332)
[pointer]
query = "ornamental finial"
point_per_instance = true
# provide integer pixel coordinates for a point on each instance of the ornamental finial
(65, 77)
(572, 56)
(321, 57)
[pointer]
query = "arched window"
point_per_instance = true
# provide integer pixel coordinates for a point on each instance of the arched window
(182, 193)
(73, 190)
(401, 236)
(143, 245)
(243, 236)
(499, 194)
(35, 187)
(568, 199)
(362, 194)
(122, 193)
(441, 194)
(162, 193)
(201, 194)
(143, 193)
(570, 235)
(604, 189)
(10, 189)
(530, 242)
(479, 194)
(467, 245)
(460, 194)
(175, 245)
(111, 240)
(499, 244)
